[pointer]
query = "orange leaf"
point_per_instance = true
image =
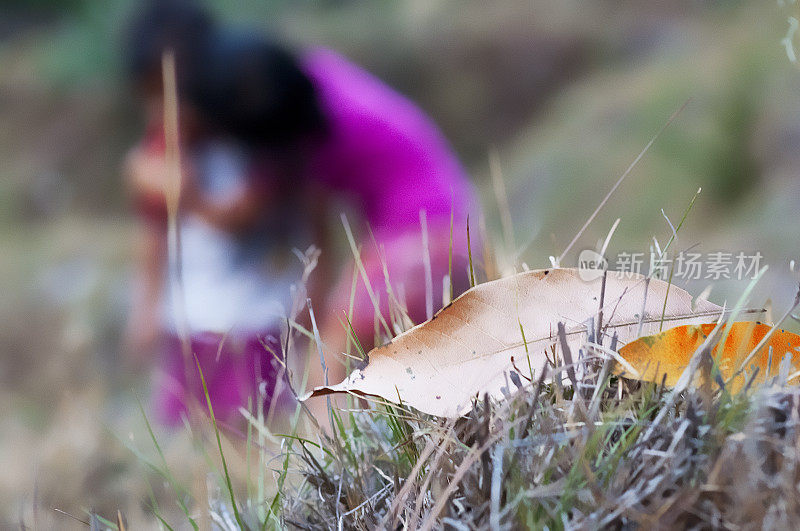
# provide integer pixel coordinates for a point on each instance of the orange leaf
(669, 352)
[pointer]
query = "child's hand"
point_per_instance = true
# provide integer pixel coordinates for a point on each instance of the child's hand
(146, 172)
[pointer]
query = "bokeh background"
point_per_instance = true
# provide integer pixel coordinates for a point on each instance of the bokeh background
(566, 92)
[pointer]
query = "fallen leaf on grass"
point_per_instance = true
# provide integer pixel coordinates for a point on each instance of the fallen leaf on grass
(475, 345)
(668, 353)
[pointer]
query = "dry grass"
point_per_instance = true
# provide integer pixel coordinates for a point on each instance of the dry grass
(620, 455)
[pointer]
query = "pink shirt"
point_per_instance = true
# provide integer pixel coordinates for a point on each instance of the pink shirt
(383, 150)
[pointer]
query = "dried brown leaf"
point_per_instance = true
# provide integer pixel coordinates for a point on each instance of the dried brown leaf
(466, 349)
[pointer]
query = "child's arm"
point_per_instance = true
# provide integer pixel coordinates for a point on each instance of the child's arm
(144, 176)
(147, 172)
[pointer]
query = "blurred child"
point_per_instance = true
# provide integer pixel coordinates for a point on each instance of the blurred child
(236, 229)
(319, 118)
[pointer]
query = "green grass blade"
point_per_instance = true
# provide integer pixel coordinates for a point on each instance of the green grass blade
(228, 482)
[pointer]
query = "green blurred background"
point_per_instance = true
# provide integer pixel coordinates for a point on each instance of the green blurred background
(567, 92)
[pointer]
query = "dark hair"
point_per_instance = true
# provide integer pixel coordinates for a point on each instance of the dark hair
(183, 26)
(255, 90)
